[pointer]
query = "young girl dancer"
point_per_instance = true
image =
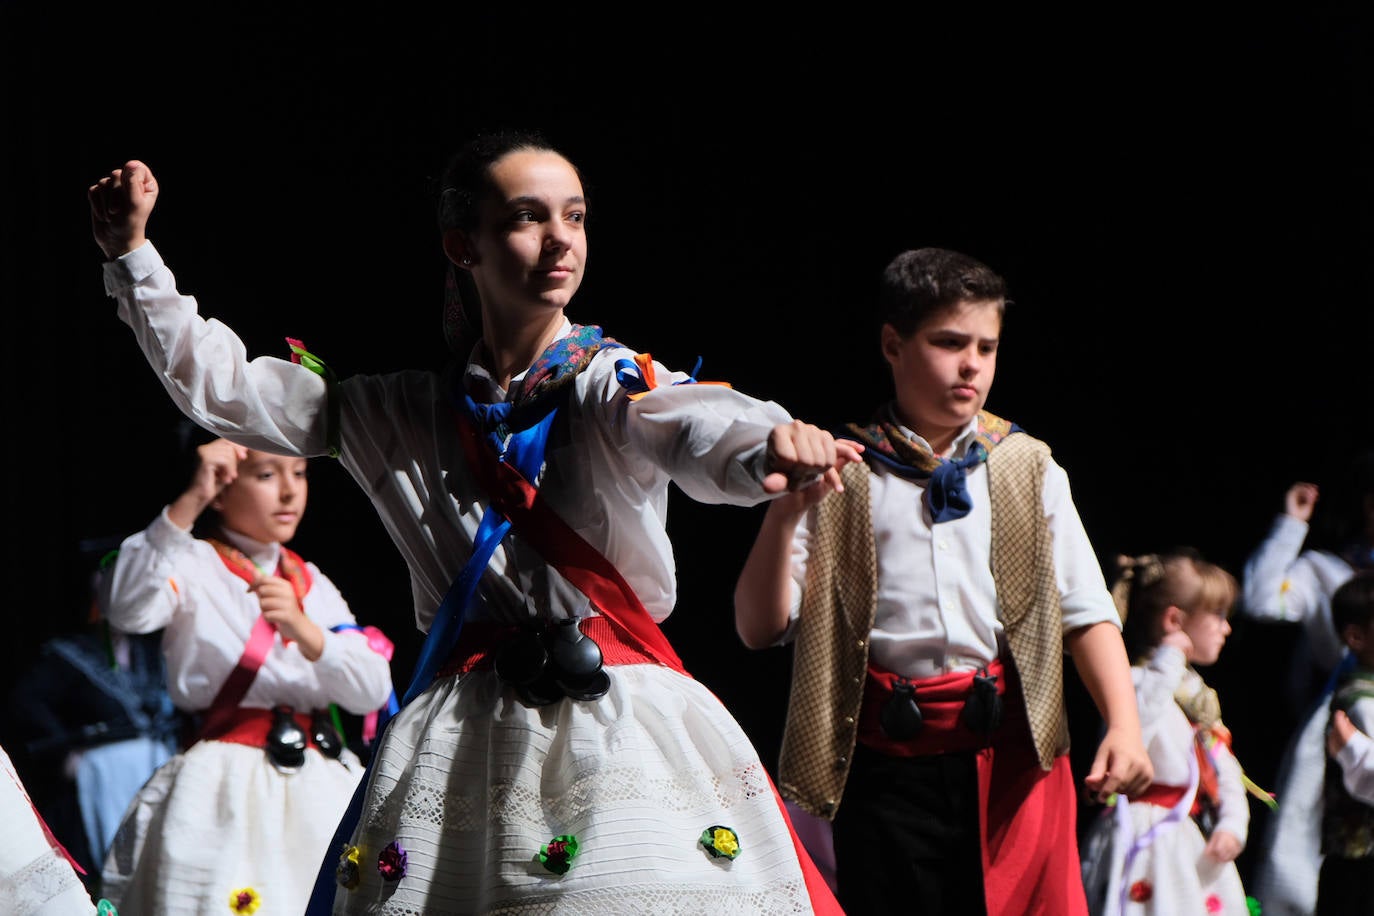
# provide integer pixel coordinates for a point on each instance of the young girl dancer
(1173, 848)
(258, 643)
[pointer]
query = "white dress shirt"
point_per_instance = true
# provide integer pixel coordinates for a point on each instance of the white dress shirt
(937, 601)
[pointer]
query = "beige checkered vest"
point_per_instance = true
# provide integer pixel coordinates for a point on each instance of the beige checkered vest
(830, 651)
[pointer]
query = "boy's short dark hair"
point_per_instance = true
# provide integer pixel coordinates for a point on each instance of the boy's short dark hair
(924, 281)
(1353, 603)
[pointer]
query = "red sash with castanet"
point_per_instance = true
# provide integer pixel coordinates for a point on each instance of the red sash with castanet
(1028, 817)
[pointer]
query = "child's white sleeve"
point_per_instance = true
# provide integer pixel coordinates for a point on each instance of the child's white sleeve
(1357, 757)
(139, 591)
(1157, 679)
(1233, 809)
(267, 403)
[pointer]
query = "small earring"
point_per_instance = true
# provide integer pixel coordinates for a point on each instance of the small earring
(467, 262)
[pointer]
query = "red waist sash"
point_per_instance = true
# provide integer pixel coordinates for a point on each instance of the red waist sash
(1162, 795)
(250, 725)
(1207, 791)
(480, 639)
(1027, 816)
(941, 701)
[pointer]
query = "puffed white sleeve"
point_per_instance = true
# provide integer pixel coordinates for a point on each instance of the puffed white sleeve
(351, 669)
(1233, 809)
(708, 438)
(139, 592)
(1275, 585)
(265, 403)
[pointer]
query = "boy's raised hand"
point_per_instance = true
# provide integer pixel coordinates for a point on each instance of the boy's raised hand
(120, 205)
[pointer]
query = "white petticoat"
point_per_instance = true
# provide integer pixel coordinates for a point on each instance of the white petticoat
(472, 784)
(219, 818)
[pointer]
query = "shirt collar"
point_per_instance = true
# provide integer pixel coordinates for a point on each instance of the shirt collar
(476, 373)
(264, 555)
(962, 442)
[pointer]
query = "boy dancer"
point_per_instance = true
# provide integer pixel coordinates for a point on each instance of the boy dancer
(931, 601)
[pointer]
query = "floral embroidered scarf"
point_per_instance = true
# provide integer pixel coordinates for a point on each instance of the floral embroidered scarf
(945, 493)
(539, 391)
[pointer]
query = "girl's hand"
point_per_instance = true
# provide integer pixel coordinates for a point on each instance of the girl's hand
(800, 455)
(1223, 846)
(218, 467)
(121, 203)
(283, 610)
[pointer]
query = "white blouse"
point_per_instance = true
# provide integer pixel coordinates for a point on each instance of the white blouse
(167, 579)
(1169, 737)
(1283, 582)
(607, 470)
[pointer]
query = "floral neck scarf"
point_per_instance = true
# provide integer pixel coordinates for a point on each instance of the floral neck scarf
(535, 395)
(289, 566)
(945, 493)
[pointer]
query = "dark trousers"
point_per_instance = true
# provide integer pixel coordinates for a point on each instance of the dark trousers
(1345, 887)
(907, 838)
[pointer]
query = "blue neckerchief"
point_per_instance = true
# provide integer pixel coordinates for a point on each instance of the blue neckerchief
(524, 449)
(517, 429)
(946, 492)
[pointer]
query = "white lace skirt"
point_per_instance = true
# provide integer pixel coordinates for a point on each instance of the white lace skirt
(219, 819)
(472, 785)
(35, 878)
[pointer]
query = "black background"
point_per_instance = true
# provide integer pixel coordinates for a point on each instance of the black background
(1179, 199)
